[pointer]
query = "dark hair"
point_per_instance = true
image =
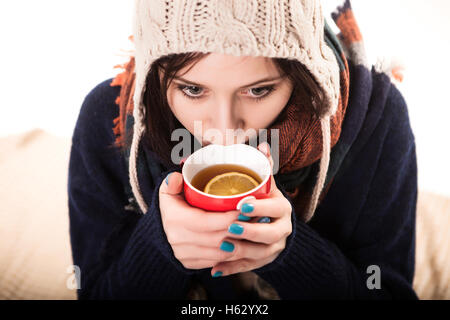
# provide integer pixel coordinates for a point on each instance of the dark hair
(161, 122)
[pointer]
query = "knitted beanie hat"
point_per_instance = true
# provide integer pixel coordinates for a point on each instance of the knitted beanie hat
(291, 29)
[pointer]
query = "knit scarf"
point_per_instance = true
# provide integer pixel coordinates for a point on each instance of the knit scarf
(300, 145)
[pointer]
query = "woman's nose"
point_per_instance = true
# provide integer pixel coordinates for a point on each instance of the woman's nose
(227, 121)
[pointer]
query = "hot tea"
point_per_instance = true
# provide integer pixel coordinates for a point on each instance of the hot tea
(226, 179)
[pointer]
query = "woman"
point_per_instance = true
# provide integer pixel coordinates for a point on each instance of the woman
(339, 223)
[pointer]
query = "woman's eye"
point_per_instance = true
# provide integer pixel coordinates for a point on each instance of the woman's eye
(192, 92)
(260, 92)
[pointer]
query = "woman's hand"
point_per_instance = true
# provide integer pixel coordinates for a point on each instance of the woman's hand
(204, 239)
(258, 244)
(195, 235)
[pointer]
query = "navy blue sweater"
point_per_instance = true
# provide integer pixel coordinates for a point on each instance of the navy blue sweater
(366, 219)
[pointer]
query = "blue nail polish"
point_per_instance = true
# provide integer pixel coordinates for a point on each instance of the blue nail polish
(247, 208)
(217, 274)
(236, 229)
(264, 220)
(227, 246)
(167, 178)
(241, 217)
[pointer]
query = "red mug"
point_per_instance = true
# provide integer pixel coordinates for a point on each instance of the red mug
(213, 154)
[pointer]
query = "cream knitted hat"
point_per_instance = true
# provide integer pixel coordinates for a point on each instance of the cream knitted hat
(291, 29)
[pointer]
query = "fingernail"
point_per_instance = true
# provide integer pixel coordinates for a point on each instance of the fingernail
(236, 229)
(167, 178)
(247, 208)
(227, 246)
(217, 274)
(241, 217)
(264, 220)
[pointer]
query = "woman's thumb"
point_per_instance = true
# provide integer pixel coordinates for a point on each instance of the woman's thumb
(172, 184)
(264, 147)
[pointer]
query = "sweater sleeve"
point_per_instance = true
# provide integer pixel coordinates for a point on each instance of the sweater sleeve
(313, 266)
(118, 251)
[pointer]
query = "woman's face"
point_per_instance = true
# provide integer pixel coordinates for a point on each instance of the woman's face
(225, 92)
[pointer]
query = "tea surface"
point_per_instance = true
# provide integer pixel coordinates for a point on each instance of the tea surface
(202, 178)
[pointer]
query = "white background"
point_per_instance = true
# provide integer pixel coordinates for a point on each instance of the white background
(54, 52)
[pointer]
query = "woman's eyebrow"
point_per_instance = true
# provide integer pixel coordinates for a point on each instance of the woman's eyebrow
(248, 85)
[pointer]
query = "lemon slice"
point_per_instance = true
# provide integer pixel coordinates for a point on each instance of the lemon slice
(230, 183)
